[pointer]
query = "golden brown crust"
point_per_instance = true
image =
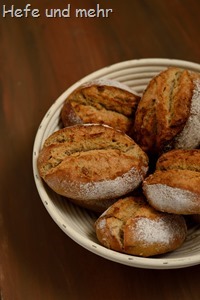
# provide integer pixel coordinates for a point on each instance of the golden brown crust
(131, 226)
(181, 179)
(101, 102)
(180, 159)
(91, 163)
(163, 109)
(174, 186)
(189, 137)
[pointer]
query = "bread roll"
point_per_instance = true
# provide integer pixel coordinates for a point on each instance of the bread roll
(101, 101)
(132, 226)
(189, 137)
(168, 114)
(91, 164)
(174, 191)
(174, 186)
(179, 160)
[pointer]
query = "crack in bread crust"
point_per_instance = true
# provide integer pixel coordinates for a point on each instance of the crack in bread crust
(179, 160)
(132, 226)
(108, 98)
(92, 162)
(103, 104)
(96, 141)
(163, 109)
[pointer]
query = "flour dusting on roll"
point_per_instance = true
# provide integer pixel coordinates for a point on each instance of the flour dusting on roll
(172, 199)
(189, 138)
(174, 186)
(168, 114)
(92, 163)
(174, 191)
(132, 226)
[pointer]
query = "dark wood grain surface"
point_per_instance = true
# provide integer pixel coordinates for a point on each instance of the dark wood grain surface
(39, 59)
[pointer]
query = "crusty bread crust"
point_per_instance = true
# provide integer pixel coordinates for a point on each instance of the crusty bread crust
(174, 186)
(189, 137)
(179, 159)
(101, 101)
(174, 191)
(183, 179)
(92, 163)
(163, 109)
(131, 226)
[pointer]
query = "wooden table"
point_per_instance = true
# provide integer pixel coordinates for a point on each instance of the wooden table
(40, 57)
